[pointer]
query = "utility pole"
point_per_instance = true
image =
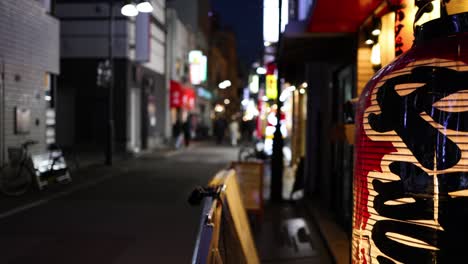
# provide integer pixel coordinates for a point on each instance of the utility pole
(2, 86)
(277, 157)
(110, 99)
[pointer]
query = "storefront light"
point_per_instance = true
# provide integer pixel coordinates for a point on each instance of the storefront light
(227, 101)
(375, 55)
(266, 43)
(369, 41)
(254, 84)
(224, 84)
(304, 84)
(376, 26)
(302, 91)
(219, 108)
(286, 93)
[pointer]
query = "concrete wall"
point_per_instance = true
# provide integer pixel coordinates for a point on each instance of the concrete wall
(157, 38)
(85, 32)
(29, 48)
(180, 42)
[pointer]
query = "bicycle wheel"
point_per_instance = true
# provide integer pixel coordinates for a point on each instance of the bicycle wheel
(246, 153)
(14, 180)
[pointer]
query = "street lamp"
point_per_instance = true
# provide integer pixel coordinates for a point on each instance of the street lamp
(144, 7)
(129, 10)
(224, 84)
(261, 70)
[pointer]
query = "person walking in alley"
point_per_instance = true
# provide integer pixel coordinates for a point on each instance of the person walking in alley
(219, 129)
(234, 131)
(187, 130)
(177, 133)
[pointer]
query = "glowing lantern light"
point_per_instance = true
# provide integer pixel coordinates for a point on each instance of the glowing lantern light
(411, 166)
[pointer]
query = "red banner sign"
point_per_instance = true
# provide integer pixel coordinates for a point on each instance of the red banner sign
(181, 97)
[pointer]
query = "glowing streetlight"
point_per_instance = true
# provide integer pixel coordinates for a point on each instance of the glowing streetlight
(224, 84)
(144, 7)
(129, 10)
(261, 70)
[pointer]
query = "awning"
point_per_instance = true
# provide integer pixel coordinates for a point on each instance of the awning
(189, 99)
(181, 96)
(329, 34)
(176, 92)
(338, 16)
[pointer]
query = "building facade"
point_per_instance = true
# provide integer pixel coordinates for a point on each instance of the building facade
(190, 71)
(29, 64)
(140, 93)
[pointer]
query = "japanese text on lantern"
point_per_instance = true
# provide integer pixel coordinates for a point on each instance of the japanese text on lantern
(416, 185)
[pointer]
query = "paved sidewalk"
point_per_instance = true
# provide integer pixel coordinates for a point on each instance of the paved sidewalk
(90, 171)
(292, 232)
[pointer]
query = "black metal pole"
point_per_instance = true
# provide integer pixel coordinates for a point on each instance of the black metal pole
(277, 156)
(110, 99)
(3, 85)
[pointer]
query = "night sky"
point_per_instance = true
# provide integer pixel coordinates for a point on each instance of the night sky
(245, 18)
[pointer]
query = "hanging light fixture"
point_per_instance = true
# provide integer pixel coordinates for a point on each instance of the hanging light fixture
(376, 26)
(144, 7)
(129, 10)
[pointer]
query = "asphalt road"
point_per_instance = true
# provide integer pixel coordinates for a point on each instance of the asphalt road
(135, 212)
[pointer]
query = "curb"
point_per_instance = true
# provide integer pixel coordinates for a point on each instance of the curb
(334, 236)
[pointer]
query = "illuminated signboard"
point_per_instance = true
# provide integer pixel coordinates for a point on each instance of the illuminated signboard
(254, 83)
(271, 86)
(198, 67)
(271, 18)
(204, 68)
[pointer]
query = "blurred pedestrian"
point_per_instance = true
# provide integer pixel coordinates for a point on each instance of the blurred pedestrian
(234, 131)
(187, 130)
(219, 129)
(177, 133)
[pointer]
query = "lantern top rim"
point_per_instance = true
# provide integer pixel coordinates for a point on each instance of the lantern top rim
(442, 27)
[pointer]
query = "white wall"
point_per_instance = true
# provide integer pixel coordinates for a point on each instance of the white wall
(29, 48)
(157, 38)
(180, 41)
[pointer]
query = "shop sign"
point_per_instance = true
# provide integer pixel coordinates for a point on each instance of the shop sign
(176, 93)
(254, 83)
(203, 93)
(188, 99)
(198, 67)
(271, 86)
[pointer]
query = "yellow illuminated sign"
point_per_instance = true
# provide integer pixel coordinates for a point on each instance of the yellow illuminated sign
(271, 86)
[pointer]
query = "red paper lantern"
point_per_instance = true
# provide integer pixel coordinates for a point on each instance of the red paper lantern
(411, 161)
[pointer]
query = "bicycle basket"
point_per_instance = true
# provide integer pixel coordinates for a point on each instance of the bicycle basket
(15, 155)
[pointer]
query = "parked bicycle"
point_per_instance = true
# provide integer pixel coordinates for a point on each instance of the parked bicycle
(252, 150)
(20, 173)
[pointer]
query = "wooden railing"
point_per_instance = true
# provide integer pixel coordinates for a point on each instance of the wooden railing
(224, 234)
